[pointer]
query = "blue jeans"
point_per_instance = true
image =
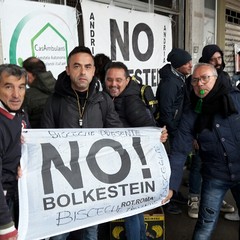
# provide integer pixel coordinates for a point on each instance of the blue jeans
(135, 227)
(195, 177)
(89, 233)
(60, 237)
(212, 194)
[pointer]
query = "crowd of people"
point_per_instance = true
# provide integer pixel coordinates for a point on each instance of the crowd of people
(199, 112)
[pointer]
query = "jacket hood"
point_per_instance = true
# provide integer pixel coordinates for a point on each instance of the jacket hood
(165, 71)
(45, 82)
(208, 51)
(63, 85)
(132, 88)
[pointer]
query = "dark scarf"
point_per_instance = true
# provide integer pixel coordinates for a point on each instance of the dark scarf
(217, 101)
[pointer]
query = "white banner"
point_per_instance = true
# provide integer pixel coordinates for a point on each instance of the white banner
(75, 178)
(47, 31)
(141, 40)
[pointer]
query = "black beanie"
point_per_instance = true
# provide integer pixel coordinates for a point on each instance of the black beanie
(208, 51)
(178, 57)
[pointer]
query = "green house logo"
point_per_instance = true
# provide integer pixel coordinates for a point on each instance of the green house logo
(57, 41)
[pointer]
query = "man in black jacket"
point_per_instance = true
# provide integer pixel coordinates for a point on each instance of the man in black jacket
(77, 103)
(213, 55)
(171, 93)
(212, 115)
(41, 85)
(13, 81)
(172, 88)
(133, 113)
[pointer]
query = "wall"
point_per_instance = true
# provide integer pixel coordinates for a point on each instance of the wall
(194, 28)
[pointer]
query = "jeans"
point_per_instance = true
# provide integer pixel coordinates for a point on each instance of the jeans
(60, 237)
(195, 177)
(135, 227)
(89, 233)
(212, 194)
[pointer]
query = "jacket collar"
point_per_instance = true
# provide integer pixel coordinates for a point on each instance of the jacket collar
(5, 112)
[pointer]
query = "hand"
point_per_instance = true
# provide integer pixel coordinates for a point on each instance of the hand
(168, 197)
(164, 135)
(19, 172)
(12, 238)
(22, 139)
(195, 145)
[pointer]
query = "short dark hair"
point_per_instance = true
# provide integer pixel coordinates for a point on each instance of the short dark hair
(79, 49)
(119, 65)
(101, 61)
(34, 65)
(13, 70)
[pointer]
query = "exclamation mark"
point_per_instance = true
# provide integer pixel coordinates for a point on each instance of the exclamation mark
(138, 148)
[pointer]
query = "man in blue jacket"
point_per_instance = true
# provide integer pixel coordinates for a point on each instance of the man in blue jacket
(171, 93)
(213, 118)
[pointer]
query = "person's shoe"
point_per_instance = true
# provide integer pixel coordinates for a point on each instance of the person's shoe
(179, 198)
(193, 207)
(172, 208)
(232, 216)
(227, 208)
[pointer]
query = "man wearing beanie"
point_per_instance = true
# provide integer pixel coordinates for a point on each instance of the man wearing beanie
(170, 95)
(171, 89)
(212, 54)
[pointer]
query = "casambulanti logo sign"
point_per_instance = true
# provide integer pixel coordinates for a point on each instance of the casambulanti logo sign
(46, 31)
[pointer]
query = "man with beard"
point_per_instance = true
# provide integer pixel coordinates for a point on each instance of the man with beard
(212, 54)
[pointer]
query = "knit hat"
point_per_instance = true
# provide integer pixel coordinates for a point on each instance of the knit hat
(208, 51)
(178, 57)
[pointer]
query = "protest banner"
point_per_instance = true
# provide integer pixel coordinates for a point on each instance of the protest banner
(142, 40)
(75, 178)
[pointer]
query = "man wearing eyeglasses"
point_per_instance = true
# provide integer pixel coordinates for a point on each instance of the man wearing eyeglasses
(213, 118)
(212, 54)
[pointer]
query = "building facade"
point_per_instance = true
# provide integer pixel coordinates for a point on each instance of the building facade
(195, 23)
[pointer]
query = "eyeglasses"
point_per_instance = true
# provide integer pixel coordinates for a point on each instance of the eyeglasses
(204, 79)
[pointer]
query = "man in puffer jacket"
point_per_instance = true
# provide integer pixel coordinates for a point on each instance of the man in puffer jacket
(172, 89)
(212, 117)
(171, 94)
(133, 113)
(77, 103)
(41, 85)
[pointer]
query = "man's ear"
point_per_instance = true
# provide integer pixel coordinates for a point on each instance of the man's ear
(128, 79)
(67, 70)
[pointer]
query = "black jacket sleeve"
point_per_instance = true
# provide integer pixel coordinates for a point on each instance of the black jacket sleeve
(137, 113)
